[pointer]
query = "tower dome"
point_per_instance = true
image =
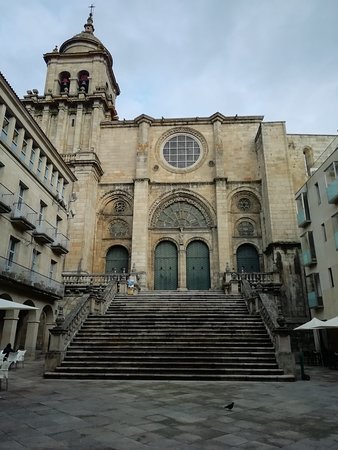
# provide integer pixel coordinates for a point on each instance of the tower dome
(85, 41)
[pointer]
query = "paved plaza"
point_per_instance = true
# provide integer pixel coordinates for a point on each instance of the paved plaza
(51, 414)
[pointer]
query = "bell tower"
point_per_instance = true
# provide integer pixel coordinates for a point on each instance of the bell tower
(80, 91)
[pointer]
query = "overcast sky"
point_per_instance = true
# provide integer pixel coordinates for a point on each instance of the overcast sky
(188, 58)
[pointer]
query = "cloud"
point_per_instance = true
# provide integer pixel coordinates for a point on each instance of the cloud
(194, 57)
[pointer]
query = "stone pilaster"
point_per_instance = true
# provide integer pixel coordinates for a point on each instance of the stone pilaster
(31, 336)
(78, 127)
(87, 169)
(223, 235)
(140, 238)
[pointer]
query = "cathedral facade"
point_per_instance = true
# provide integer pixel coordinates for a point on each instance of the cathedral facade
(179, 201)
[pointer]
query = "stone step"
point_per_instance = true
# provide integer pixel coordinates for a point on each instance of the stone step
(92, 365)
(159, 338)
(169, 377)
(181, 331)
(173, 335)
(84, 357)
(226, 346)
(212, 369)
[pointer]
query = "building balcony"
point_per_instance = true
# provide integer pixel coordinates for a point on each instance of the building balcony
(302, 219)
(23, 216)
(60, 245)
(314, 300)
(309, 259)
(6, 199)
(332, 192)
(17, 274)
(44, 232)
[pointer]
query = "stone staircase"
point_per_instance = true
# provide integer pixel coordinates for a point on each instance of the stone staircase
(170, 335)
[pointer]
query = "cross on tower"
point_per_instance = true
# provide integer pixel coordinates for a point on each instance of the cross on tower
(91, 9)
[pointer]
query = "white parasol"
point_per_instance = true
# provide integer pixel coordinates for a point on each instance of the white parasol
(7, 304)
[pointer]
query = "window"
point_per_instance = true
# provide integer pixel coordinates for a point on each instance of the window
(331, 277)
(331, 177)
(52, 268)
(23, 150)
(318, 193)
(39, 168)
(57, 224)
(308, 155)
(324, 231)
(303, 212)
(12, 250)
(335, 228)
(83, 81)
(42, 212)
(308, 250)
(32, 158)
(181, 151)
(35, 260)
(64, 82)
(5, 127)
(15, 138)
(315, 297)
(46, 173)
(245, 228)
(21, 194)
(331, 173)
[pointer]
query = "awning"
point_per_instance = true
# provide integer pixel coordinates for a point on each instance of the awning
(331, 323)
(313, 324)
(7, 304)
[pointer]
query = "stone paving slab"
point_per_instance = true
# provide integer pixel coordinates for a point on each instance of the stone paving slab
(115, 415)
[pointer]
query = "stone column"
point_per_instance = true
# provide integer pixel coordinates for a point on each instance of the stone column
(9, 329)
(78, 128)
(93, 140)
(31, 336)
(182, 268)
(45, 118)
(222, 233)
(74, 86)
(140, 237)
(61, 127)
(10, 131)
(2, 116)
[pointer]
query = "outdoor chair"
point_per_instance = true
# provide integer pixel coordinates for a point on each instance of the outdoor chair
(12, 359)
(21, 357)
(4, 373)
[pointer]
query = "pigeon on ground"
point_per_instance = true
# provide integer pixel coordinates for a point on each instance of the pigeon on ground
(229, 406)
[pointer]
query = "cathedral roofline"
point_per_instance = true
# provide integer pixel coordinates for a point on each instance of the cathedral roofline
(174, 121)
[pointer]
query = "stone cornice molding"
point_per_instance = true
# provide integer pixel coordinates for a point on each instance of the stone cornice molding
(86, 158)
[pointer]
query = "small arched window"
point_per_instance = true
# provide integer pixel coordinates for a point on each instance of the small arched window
(64, 81)
(308, 156)
(83, 81)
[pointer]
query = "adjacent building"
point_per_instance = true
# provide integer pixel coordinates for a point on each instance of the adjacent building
(317, 215)
(35, 189)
